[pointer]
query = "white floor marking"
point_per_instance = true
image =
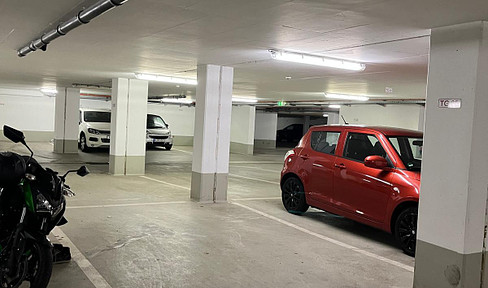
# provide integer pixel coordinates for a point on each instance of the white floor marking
(320, 236)
(164, 182)
(187, 152)
(257, 198)
(126, 205)
(255, 179)
(93, 275)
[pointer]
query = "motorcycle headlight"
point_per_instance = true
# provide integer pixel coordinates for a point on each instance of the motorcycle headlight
(93, 131)
(42, 205)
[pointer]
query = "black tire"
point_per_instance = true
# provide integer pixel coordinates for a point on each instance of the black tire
(40, 265)
(168, 147)
(406, 230)
(293, 196)
(83, 145)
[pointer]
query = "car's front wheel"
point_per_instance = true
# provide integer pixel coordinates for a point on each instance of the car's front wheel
(168, 147)
(83, 144)
(293, 196)
(406, 230)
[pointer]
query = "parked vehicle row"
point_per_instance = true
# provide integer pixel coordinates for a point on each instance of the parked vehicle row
(94, 130)
(368, 174)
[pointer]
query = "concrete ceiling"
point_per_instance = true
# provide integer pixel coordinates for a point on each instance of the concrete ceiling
(170, 37)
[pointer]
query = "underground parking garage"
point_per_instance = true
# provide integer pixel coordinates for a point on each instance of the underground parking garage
(243, 144)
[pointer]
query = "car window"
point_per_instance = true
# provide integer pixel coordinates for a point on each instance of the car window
(154, 122)
(360, 146)
(409, 149)
(97, 116)
(324, 141)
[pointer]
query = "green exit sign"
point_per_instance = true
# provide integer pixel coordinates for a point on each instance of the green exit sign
(281, 103)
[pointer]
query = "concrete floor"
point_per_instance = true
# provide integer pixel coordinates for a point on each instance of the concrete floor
(143, 231)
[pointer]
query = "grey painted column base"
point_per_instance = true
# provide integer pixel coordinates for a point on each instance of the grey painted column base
(202, 187)
(439, 267)
(130, 165)
(240, 148)
(267, 144)
(65, 146)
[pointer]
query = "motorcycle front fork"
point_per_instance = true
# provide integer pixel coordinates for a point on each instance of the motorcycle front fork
(17, 247)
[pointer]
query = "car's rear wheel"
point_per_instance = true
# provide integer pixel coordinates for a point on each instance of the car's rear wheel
(293, 196)
(83, 144)
(406, 230)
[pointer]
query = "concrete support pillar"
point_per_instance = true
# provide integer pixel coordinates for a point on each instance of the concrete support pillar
(306, 124)
(453, 194)
(66, 120)
(242, 129)
(265, 130)
(211, 140)
(128, 127)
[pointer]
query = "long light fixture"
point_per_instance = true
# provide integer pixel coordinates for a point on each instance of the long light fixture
(177, 101)
(346, 97)
(316, 60)
(244, 100)
(168, 79)
(334, 106)
(48, 91)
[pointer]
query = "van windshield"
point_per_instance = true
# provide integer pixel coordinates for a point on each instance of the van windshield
(154, 122)
(97, 116)
(410, 151)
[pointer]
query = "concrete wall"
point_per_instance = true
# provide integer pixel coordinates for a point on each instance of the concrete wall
(242, 129)
(284, 121)
(402, 116)
(265, 130)
(28, 110)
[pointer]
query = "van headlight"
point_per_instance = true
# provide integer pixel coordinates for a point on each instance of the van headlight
(93, 131)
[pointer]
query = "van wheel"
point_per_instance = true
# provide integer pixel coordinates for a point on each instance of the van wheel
(83, 145)
(293, 196)
(406, 230)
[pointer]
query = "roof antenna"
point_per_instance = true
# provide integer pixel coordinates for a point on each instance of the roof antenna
(345, 122)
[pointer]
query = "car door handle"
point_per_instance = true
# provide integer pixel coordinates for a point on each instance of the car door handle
(304, 156)
(340, 166)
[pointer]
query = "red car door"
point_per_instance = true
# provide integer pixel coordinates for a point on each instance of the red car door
(319, 158)
(361, 190)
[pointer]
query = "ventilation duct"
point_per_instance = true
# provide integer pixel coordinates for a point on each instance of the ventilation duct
(83, 17)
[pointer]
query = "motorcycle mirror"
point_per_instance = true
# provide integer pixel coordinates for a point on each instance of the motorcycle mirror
(83, 171)
(14, 135)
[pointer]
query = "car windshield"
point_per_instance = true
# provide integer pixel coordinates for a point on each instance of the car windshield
(97, 116)
(410, 151)
(154, 122)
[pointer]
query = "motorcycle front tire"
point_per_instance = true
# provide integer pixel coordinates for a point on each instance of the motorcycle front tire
(40, 264)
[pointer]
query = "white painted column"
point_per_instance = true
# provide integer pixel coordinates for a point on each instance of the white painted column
(128, 127)
(242, 129)
(265, 129)
(306, 124)
(211, 142)
(453, 194)
(66, 120)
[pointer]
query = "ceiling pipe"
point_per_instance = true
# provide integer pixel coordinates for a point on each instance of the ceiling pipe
(83, 17)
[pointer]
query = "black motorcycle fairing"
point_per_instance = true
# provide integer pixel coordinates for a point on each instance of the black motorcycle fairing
(12, 169)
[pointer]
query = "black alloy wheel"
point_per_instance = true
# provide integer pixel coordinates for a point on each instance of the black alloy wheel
(293, 196)
(83, 145)
(406, 230)
(168, 147)
(40, 263)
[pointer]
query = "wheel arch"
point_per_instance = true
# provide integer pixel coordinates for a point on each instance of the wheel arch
(287, 176)
(398, 209)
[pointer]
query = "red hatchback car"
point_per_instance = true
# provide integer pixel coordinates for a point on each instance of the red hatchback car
(368, 174)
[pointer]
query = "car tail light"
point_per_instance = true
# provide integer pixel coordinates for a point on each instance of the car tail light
(289, 153)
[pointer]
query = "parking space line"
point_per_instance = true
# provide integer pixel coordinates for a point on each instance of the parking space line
(255, 179)
(90, 271)
(330, 240)
(187, 152)
(257, 198)
(256, 168)
(164, 182)
(126, 205)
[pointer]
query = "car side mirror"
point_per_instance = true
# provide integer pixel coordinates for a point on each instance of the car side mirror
(14, 135)
(83, 171)
(375, 161)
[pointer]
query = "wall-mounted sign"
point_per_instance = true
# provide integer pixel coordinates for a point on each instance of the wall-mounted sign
(451, 103)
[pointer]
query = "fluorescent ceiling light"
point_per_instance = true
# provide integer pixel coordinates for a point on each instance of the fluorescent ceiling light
(325, 115)
(177, 101)
(49, 91)
(168, 79)
(244, 100)
(346, 97)
(316, 60)
(334, 106)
